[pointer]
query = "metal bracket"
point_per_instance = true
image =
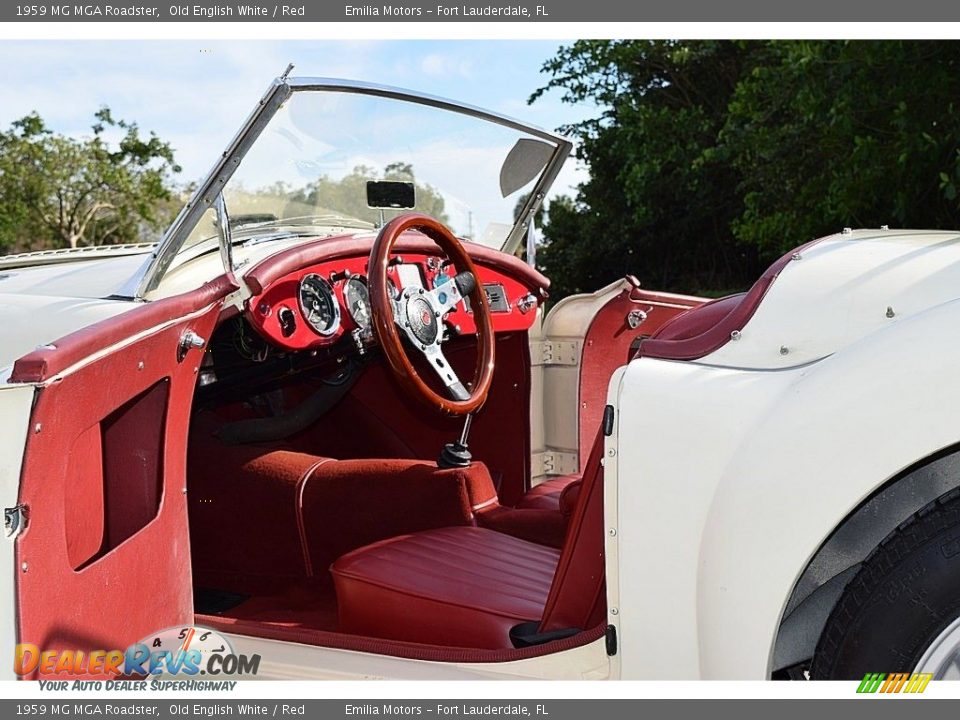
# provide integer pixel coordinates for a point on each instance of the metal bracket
(549, 352)
(551, 462)
(635, 318)
(14, 520)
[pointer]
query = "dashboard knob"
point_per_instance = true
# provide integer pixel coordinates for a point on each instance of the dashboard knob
(288, 321)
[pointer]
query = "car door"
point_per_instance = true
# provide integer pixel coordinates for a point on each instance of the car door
(104, 560)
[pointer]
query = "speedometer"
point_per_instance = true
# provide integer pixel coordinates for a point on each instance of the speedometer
(319, 305)
(356, 297)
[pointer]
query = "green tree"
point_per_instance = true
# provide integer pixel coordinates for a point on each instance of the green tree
(348, 195)
(653, 205)
(832, 134)
(710, 158)
(58, 191)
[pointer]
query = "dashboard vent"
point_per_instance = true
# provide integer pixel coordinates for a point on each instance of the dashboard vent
(496, 297)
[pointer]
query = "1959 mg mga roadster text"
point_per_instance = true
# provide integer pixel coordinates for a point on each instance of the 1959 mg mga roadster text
(326, 417)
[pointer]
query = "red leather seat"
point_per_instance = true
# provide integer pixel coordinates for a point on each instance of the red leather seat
(549, 495)
(460, 586)
(469, 586)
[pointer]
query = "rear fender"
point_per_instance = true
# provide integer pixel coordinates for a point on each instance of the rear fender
(843, 428)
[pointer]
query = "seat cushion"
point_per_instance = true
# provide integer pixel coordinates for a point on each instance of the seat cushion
(456, 586)
(546, 495)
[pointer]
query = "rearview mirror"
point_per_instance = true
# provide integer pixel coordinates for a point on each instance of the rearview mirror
(391, 194)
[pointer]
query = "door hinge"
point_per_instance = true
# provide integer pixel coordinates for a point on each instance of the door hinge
(551, 462)
(14, 520)
(551, 352)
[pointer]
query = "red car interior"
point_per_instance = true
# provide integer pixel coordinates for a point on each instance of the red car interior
(317, 510)
(276, 279)
(460, 586)
(610, 342)
(315, 515)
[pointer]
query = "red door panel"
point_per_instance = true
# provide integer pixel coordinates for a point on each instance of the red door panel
(105, 559)
(610, 343)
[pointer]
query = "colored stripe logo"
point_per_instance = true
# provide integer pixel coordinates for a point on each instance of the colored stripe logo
(894, 682)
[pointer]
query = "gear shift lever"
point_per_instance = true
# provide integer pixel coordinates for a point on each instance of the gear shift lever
(456, 454)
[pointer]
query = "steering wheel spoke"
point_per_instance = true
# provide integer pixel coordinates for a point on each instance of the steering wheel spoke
(418, 316)
(441, 366)
(447, 296)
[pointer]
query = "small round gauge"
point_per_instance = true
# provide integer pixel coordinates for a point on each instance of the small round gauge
(319, 305)
(356, 296)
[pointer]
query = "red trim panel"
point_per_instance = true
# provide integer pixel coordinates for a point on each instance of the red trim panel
(578, 596)
(610, 343)
(44, 363)
(676, 342)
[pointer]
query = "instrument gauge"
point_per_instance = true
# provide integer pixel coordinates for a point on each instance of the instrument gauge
(319, 305)
(356, 297)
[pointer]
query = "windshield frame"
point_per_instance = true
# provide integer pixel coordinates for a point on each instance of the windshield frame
(280, 91)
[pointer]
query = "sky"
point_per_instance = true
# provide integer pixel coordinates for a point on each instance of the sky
(195, 94)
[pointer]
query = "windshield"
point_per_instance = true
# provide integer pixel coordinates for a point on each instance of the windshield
(323, 157)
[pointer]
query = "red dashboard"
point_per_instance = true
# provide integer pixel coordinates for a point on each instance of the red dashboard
(283, 306)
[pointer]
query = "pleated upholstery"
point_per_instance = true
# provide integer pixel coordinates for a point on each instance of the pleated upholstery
(456, 586)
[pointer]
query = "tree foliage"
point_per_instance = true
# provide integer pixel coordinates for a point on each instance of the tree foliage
(710, 158)
(345, 196)
(348, 195)
(58, 191)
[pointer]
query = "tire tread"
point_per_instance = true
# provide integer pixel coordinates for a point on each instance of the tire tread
(921, 527)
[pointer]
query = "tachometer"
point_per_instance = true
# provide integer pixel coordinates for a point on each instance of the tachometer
(356, 296)
(319, 305)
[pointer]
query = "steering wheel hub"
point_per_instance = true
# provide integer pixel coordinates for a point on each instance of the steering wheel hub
(422, 320)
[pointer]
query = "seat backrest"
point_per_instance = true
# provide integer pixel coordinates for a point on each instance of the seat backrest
(577, 596)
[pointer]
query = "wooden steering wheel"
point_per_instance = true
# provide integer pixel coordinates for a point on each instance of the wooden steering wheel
(418, 314)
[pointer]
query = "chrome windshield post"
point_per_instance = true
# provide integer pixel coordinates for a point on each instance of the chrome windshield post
(205, 195)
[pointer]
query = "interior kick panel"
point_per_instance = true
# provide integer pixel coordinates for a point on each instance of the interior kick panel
(277, 314)
(610, 342)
